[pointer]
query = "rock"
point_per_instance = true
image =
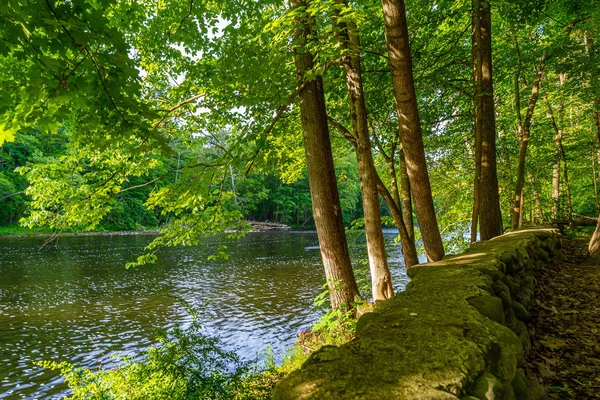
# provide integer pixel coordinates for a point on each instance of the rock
(513, 282)
(520, 311)
(487, 387)
(507, 337)
(521, 330)
(525, 297)
(503, 292)
(489, 306)
(519, 385)
(503, 362)
(508, 393)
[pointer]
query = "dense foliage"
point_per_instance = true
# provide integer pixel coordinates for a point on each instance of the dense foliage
(184, 115)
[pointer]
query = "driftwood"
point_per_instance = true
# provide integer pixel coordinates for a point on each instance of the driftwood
(267, 226)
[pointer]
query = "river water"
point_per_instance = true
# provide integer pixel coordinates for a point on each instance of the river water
(76, 302)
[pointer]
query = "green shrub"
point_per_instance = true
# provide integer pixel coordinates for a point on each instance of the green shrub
(185, 364)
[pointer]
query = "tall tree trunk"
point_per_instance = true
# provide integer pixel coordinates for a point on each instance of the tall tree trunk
(407, 211)
(595, 176)
(522, 207)
(393, 200)
(560, 150)
(597, 115)
(327, 211)
(524, 129)
(555, 188)
(409, 250)
(381, 278)
(400, 62)
(594, 245)
(567, 185)
(486, 178)
(537, 212)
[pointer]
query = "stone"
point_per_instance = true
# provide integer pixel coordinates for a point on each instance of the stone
(519, 385)
(442, 338)
(487, 387)
(513, 282)
(520, 311)
(489, 306)
(507, 364)
(503, 292)
(523, 334)
(507, 337)
(525, 297)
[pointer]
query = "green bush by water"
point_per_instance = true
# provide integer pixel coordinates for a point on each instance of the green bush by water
(184, 364)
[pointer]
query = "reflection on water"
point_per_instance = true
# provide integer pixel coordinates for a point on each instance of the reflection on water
(76, 302)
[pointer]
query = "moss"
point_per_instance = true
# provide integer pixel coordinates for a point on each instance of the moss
(439, 337)
(489, 306)
(487, 387)
(520, 311)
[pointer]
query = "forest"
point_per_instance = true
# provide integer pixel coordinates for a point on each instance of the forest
(451, 121)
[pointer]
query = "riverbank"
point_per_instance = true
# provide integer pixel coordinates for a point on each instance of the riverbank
(19, 231)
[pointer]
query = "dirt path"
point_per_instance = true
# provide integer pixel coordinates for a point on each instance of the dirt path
(566, 324)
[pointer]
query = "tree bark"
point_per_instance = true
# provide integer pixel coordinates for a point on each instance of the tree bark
(594, 245)
(395, 205)
(597, 115)
(555, 188)
(595, 177)
(486, 177)
(381, 278)
(560, 150)
(400, 62)
(522, 207)
(321, 175)
(524, 129)
(408, 246)
(406, 204)
(537, 212)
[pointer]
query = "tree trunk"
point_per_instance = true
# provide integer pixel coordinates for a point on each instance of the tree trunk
(486, 178)
(522, 207)
(381, 278)
(408, 246)
(595, 176)
(594, 246)
(558, 135)
(400, 62)
(597, 114)
(321, 175)
(524, 142)
(537, 213)
(407, 211)
(555, 188)
(567, 186)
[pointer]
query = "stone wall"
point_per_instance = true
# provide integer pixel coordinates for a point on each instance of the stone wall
(457, 332)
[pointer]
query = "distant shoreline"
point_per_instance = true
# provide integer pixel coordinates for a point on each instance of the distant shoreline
(72, 234)
(256, 226)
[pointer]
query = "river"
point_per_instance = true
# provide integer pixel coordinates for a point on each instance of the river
(74, 301)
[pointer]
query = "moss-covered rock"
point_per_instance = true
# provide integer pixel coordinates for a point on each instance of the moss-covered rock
(446, 337)
(519, 385)
(487, 387)
(520, 311)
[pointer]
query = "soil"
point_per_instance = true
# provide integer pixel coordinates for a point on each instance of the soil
(565, 355)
